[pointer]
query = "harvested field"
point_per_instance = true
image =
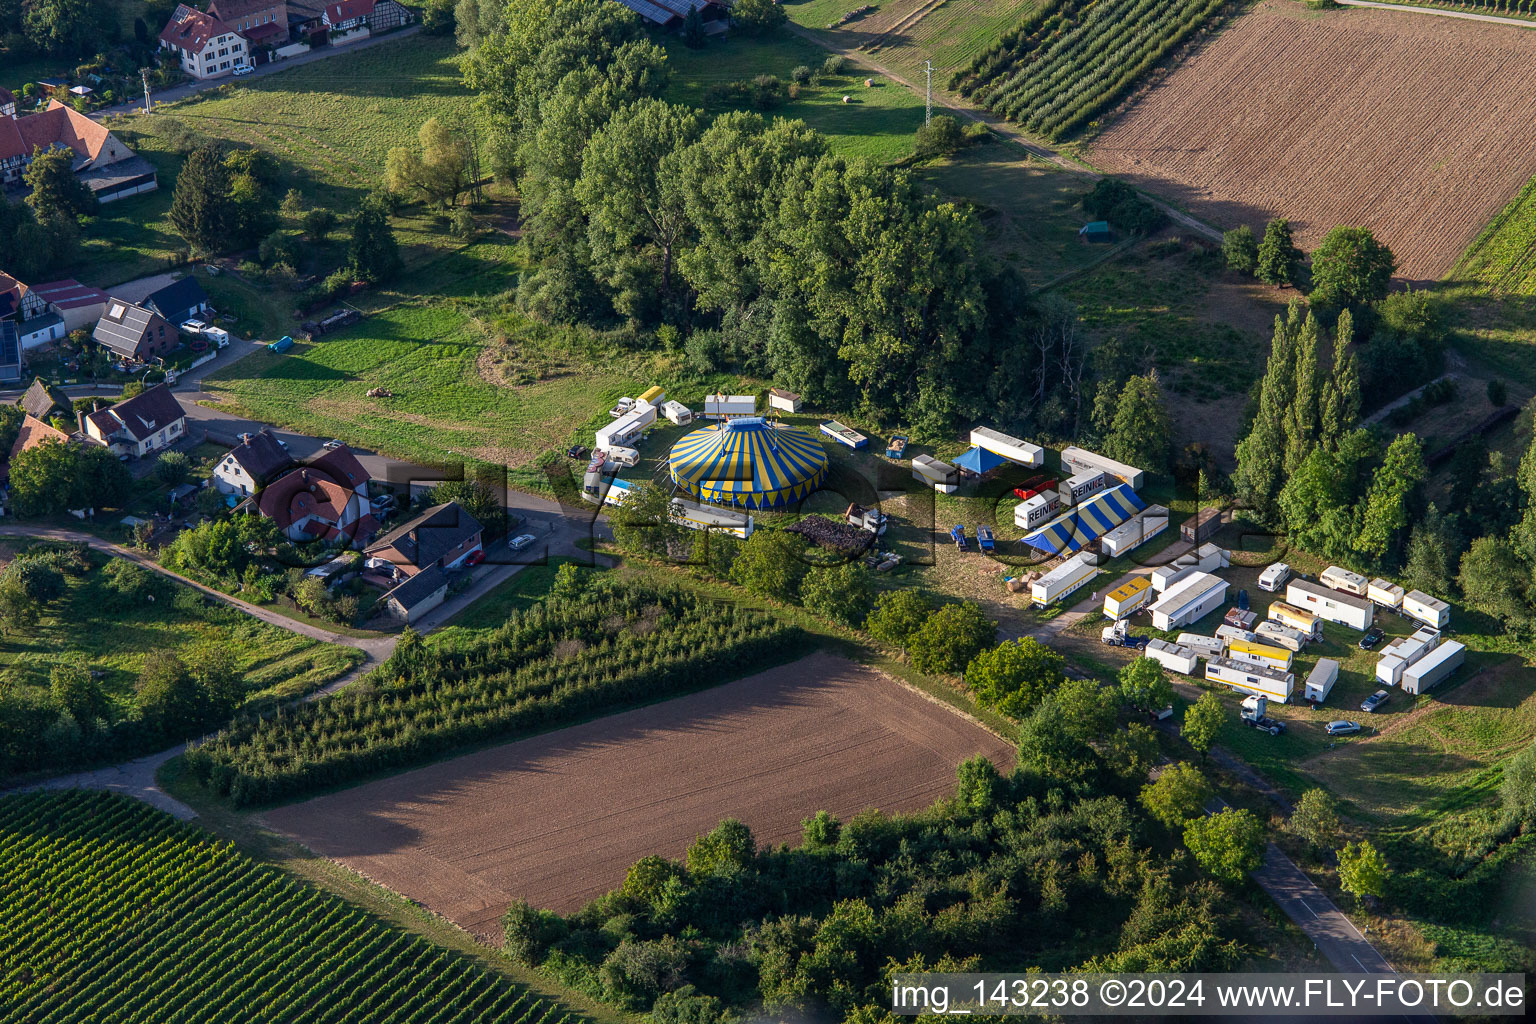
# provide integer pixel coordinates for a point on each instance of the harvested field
(1416, 127)
(558, 819)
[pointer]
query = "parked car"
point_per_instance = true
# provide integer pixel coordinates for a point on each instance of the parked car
(1341, 728)
(193, 326)
(1374, 701)
(1372, 637)
(521, 541)
(334, 442)
(475, 558)
(242, 69)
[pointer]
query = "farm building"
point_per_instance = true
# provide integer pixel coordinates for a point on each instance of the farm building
(1261, 654)
(1080, 485)
(783, 401)
(1127, 598)
(1336, 578)
(1321, 679)
(1195, 596)
(1067, 577)
(1250, 678)
(1331, 605)
(1172, 657)
(1010, 448)
(1385, 593)
(1079, 460)
(1435, 668)
(1080, 526)
(1202, 526)
(1431, 611)
(941, 476)
(1135, 532)
(748, 462)
(671, 13)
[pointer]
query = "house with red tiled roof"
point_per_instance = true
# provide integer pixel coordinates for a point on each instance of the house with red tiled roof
(146, 422)
(347, 20)
(101, 160)
(205, 46)
(325, 500)
(263, 23)
(32, 433)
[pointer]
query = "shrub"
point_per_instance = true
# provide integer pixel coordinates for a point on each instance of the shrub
(939, 137)
(897, 615)
(835, 65)
(1113, 200)
(801, 75)
(950, 637)
(770, 565)
(840, 593)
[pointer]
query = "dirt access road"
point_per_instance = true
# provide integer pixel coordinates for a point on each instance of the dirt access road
(558, 819)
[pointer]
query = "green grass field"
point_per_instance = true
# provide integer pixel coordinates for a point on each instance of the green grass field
(1503, 257)
(877, 122)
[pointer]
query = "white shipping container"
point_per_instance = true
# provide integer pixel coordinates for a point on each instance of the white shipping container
(1434, 668)
(1010, 448)
(1336, 578)
(1173, 657)
(1031, 512)
(1321, 679)
(1431, 611)
(1250, 678)
(1205, 646)
(1081, 459)
(1075, 488)
(1135, 532)
(941, 476)
(1389, 670)
(1385, 593)
(1063, 580)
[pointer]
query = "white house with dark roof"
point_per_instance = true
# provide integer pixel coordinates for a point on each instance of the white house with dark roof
(249, 465)
(144, 423)
(204, 46)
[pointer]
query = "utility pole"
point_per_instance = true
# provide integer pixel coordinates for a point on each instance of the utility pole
(144, 74)
(928, 112)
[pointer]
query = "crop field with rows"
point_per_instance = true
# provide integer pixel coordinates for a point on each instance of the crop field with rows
(551, 664)
(1067, 61)
(115, 911)
(1504, 255)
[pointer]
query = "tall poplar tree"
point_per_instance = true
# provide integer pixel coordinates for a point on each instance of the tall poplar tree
(1384, 515)
(1261, 454)
(1339, 400)
(1301, 418)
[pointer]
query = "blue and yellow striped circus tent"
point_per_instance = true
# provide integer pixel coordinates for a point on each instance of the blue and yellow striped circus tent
(748, 462)
(1086, 522)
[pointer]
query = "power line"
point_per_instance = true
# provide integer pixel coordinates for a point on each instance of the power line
(928, 110)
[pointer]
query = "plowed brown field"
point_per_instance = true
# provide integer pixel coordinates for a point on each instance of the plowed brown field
(558, 819)
(1415, 126)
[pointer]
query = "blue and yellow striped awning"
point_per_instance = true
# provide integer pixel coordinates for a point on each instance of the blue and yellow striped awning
(1087, 521)
(748, 462)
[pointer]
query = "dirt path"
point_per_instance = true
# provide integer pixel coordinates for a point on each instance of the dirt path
(958, 108)
(1410, 9)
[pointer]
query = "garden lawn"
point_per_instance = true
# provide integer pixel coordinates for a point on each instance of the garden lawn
(328, 127)
(877, 122)
(86, 624)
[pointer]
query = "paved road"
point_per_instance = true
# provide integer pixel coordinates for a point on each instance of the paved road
(1007, 131)
(181, 92)
(1409, 8)
(1314, 913)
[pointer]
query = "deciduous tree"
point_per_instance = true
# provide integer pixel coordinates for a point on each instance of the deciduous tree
(1145, 686)
(771, 565)
(437, 171)
(1384, 516)
(56, 193)
(1203, 721)
(950, 637)
(1013, 677)
(1241, 249)
(841, 593)
(1350, 267)
(1315, 820)
(1178, 795)
(1141, 432)
(1278, 258)
(1228, 844)
(1362, 870)
(897, 615)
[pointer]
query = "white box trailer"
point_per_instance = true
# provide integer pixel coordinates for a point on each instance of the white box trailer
(1165, 576)
(1431, 611)
(1331, 605)
(1271, 632)
(1135, 532)
(711, 518)
(1434, 668)
(1404, 651)
(1173, 657)
(1320, 680)
(1031, 512)
(1079, 460)
(1205, 646)
(941, 476)
(677, 412)
(1010, 448)
(1063, 580)
(1127, 598)
(1384, 593)
(625, 430)
(1205, 558)
(1250, 678)
(729, 407)
(1082, 485)
(1261, 654)
(783, 401)
(1190, 599)
(1337, 578)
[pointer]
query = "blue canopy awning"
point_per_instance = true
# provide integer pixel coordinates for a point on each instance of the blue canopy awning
(1087, 521)
(980, 460)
